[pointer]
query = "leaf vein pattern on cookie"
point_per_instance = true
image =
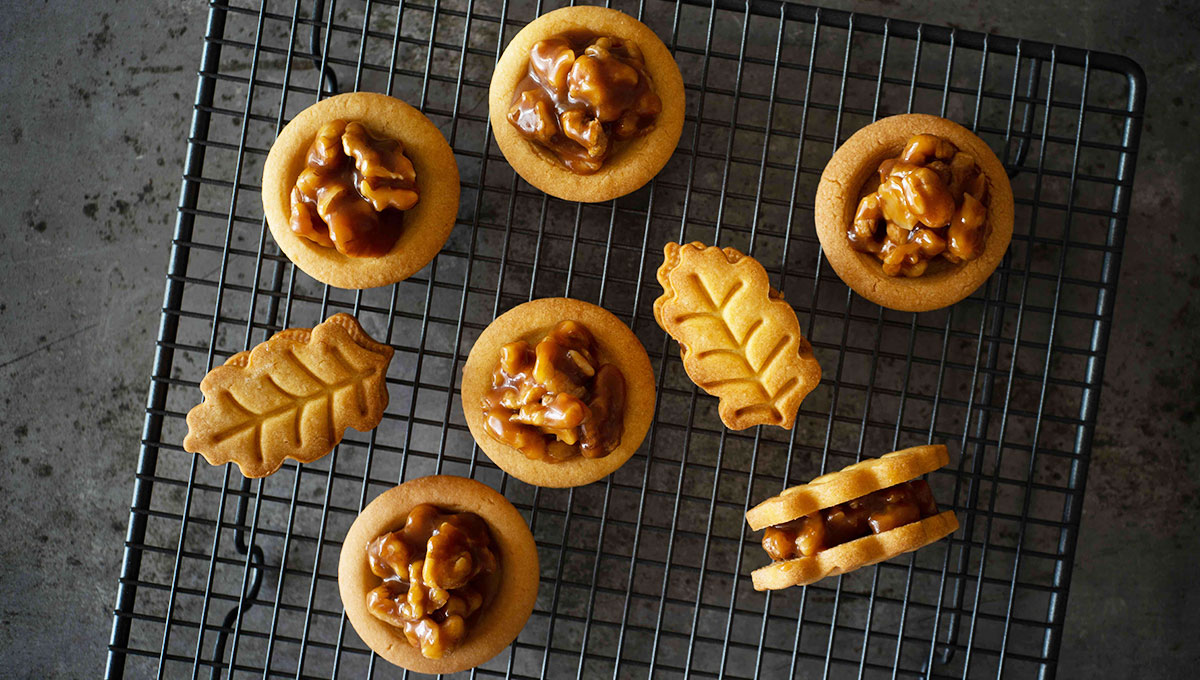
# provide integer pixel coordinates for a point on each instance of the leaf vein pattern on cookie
(738, 338)
(290, 397)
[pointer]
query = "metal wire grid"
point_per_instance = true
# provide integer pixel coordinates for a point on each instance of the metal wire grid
(644, 574)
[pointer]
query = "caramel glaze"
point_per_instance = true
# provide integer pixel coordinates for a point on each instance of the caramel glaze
(337, 205)
(598, 95)
(439, 571)
(555, 401)
(927, 204)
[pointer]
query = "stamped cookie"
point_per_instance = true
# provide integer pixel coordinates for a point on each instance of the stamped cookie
(586, 103)
(849, 483)
(558, 392)
(740, 341)
(914, 212)
(439, 574)
(360, 190)
(292, 396)
(865, 513)
(861, 552)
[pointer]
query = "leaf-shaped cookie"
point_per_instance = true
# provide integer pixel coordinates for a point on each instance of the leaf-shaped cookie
(292, 396)
(739, 339)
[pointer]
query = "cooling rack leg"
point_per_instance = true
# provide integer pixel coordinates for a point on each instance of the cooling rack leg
(1035, 75)
(257, 566)
(328, 75)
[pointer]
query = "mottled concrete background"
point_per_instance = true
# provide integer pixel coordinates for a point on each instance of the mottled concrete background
(96, 103)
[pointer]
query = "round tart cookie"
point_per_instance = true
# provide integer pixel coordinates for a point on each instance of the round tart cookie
(483, 614)
(586, 103)
(914, 212)
(360, 190)
(558, 392)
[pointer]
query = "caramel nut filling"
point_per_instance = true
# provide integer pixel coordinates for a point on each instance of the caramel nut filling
(556, 400)
(875, 513)
(353, 191)
(582, 95)
(439, 571)
(930, 202)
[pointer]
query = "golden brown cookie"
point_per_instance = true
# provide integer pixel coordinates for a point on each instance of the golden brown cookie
(496, 625)
(617, 345)
(854, 163)
(628, 168)
(740, 341)
(856, 554)
(292, 396)
(425, 227)
(854, 484)
(850, 482)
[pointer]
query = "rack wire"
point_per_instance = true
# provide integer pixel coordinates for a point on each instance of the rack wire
(645, 574)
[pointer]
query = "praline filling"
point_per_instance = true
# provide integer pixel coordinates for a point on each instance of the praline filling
(353, 190)
(556, 400)
(439, 571)
(929, 202)
(582, 95)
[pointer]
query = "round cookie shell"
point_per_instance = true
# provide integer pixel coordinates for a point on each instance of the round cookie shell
(426, 226)
(636, 161)
(531, 322)
(503, 618)
(944, 283)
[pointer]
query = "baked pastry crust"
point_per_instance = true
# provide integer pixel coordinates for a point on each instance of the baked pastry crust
(852, 481)
(739, 339)
(617, 344)
(943, 283)
(500, 621)
(426, 226)
(828, 490)
(861, 552)
(638, 160)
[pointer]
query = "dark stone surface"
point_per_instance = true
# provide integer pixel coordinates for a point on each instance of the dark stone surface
(96, 107)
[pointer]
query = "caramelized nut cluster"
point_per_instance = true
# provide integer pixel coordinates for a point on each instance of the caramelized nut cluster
(352, 193)
(556, 400)
(930, 202)
(582, 94)
(875, 513)
(438, 572)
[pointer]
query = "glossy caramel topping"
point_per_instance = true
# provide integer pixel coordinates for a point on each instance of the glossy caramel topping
(875, 513)
(556, 400)
(353, 191)
(438, 572)
(929, 202)
(582, 94)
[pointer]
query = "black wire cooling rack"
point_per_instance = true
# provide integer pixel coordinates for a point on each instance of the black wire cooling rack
(646, 573)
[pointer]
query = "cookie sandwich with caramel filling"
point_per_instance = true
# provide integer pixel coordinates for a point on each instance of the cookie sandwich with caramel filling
(439, 574)
(866, 513)
(558, 392)
(586, 103)
(914, 212)
(360, 190)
